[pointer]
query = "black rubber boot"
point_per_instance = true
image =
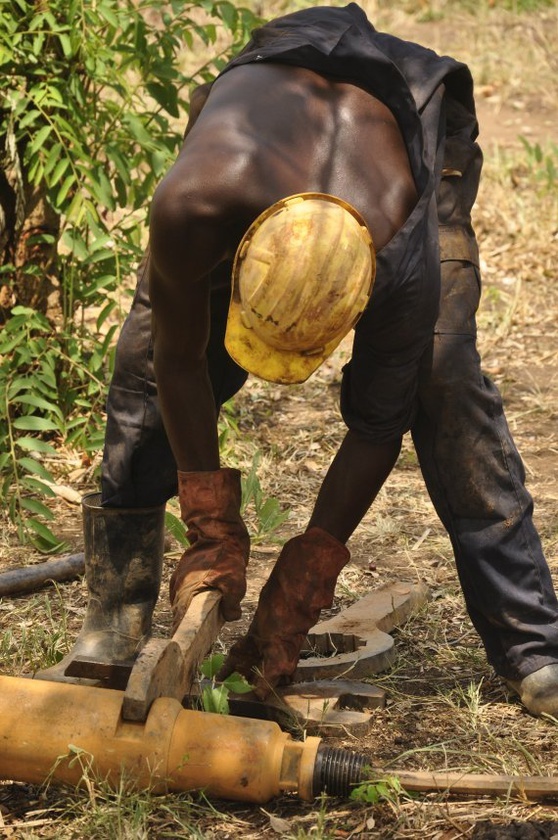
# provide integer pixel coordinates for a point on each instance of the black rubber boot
(123, 565)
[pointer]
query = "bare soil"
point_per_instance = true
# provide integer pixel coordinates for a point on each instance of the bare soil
(446, 709)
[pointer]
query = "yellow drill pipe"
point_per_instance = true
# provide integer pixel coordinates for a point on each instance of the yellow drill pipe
(43, 723)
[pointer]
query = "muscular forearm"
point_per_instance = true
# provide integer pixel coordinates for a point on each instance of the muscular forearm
(188, 411)
(353, 481)
(181, 324)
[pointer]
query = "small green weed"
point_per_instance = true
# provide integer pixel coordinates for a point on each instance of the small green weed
(319, 829)
(215, 698)
(388, 789)
(112, 813)
(521, 6)
(269, 516)
(228, 429)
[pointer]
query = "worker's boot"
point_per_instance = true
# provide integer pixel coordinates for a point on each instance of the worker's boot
(539, 691)
(123, 563)
(300, 586)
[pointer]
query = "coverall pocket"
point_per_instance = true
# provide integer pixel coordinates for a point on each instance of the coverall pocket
(459, 298)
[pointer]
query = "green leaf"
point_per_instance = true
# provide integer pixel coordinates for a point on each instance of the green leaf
(37, 44)
(21, 385)
(137, 129)
(7, 345)
(59, 170)
(38, 402)
(210, 666)
(229, 15)
(176, 528)
(35, 424)
(44, 540)
(30, 444)
(35, 317)
(36, 507)
(237, 684)
(38, 140)
(73, 240)
(34, 485)
(215, 700)
(374, 791)
(94, 441)
(69, 182)
(28, 118)
(106, 12)
(34, 467)
(66, 44)
(104, 314)
(166, 96)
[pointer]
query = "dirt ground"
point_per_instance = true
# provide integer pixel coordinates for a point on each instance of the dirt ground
(446, 709)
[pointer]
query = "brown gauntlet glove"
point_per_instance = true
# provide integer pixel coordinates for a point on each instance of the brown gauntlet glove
(301, 584)
(219, 543)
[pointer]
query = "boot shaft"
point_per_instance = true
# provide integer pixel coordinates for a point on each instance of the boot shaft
(123, 551)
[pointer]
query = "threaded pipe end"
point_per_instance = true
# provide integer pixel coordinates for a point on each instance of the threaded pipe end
(336, 771)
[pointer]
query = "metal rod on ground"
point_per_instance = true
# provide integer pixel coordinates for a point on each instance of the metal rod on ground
(28, 578)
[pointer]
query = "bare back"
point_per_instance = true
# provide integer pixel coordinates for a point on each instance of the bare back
(271, 130)
(266, 131)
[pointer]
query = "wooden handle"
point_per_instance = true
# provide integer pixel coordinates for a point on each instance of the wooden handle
(488, 784)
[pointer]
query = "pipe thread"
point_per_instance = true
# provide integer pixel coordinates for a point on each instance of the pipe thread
(336, 771)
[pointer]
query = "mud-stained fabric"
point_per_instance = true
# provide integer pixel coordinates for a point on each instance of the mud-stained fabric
(471, 467)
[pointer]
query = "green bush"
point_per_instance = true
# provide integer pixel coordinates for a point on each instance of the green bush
(93, 104)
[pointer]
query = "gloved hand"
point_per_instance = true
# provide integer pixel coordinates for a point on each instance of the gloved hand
(219, 543)
(301, 584)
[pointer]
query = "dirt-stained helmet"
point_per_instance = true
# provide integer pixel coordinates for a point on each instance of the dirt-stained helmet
(302, 276)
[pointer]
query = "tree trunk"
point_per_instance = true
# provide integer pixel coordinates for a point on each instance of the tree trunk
(29, 277)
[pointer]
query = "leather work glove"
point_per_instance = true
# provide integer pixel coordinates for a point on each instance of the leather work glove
(301, 584)
(219, 542)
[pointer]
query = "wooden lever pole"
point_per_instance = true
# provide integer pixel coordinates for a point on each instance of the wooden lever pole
(484, 784)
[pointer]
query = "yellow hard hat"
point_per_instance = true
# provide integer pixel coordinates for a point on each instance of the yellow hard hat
(302, 276)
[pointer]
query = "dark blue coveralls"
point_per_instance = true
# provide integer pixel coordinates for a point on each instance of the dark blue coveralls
(415, 364)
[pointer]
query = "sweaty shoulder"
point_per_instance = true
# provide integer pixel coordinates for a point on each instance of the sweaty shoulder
(307, 132)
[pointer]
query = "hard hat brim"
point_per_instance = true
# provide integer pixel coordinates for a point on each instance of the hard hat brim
(284, 367)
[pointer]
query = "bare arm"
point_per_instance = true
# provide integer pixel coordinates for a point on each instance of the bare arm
(183, 252)
(353, 481)
(185, 394)
(180, 297)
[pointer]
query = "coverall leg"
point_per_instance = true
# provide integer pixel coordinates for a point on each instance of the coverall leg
(473, 472)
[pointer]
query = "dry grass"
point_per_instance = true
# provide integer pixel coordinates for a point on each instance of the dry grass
(446, 708)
